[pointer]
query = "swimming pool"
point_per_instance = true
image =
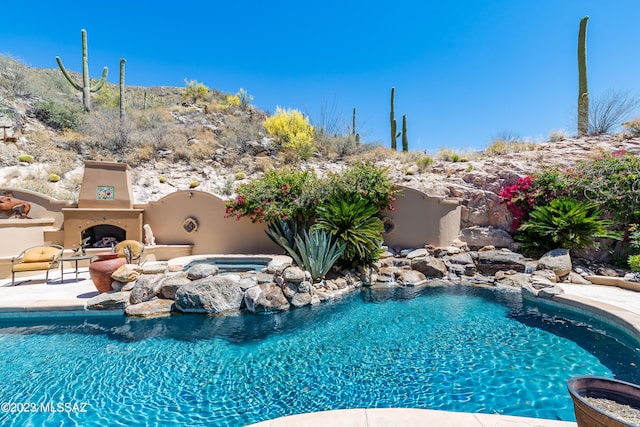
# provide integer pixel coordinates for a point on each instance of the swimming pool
(451, 348)
(232, 264)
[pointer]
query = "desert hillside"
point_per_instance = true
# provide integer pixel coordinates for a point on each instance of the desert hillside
(174, 138)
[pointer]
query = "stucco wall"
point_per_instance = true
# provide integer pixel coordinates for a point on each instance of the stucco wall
(419, 219)
(215, 233)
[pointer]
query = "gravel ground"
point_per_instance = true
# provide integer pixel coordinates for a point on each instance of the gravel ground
(625, 413)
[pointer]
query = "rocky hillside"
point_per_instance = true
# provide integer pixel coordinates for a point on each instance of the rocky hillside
(217, 146)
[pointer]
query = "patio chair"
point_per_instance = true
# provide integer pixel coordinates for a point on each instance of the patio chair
(135, 248)
(43, 257)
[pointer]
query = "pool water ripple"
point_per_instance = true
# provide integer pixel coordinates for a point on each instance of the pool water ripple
(457, 349)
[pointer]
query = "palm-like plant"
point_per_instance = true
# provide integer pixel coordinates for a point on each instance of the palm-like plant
(354, 222)
(566, 223)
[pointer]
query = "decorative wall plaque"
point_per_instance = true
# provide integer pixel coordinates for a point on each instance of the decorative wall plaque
(190, 225)
(105, 192)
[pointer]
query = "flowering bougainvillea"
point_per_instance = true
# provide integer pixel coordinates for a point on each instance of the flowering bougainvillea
(531, 191)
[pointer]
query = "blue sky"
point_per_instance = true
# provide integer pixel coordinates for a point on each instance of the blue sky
(464, 71)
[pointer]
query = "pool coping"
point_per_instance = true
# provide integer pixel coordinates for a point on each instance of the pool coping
(406, 417)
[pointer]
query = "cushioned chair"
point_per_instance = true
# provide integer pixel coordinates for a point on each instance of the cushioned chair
(43, 257)
(136, 248)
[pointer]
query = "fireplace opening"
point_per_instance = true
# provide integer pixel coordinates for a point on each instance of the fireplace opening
(103, 236)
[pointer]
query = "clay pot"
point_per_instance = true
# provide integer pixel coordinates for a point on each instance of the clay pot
(588, 415)
(102, 269)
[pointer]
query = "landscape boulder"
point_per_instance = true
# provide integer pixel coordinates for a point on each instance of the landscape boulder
(109, 301)
(147, 286)
(154, 308)
(557, 260)
(202, 270)
(265, 298)
(491, 261)
(430, 266)
(213, 295)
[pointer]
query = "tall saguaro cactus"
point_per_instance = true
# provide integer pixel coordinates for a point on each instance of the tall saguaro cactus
(392, 119)
(405, 138)
(354, 132)
(122, 104)
(583, 92)
(86, 88)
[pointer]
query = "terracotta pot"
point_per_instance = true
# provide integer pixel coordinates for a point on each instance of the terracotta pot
(604, 388)
(102, 269)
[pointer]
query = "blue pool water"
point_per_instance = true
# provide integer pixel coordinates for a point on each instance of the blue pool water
(233, 265)
(455, 348)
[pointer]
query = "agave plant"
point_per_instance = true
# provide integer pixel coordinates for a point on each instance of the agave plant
(566, 223)
(316, 252)
(284, 231)
(354, 222)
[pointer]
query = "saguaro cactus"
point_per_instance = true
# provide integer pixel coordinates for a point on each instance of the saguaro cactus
(355, 134)
(405, 138)
(583, 92)
(392, 119)
(122, 103)
(86, 88)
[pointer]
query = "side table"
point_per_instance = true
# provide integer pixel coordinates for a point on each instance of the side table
(74, 258)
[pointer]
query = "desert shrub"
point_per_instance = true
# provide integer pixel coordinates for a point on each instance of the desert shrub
(612, 181)
(194, 183)
(194, 91)
(424, 163)
(162, 179)
(53, 177)
(58, 116)
(632, 128)
(26, 158)
(565, 223)
(14, 77)
(240, 176)
(293, 131)
(280, 194)
(107, 97)
(245, 99)
(501, 147)
(367, 181)
(609, 110)
(557, 135)
(355, 223)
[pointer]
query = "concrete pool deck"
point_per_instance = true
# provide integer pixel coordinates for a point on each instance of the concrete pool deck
(621, 307)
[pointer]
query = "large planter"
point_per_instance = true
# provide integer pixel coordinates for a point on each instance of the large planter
(588, 415)
(102, 269)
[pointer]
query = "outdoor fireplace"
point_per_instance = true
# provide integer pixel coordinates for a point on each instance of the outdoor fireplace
(105, 210)
(103, 236)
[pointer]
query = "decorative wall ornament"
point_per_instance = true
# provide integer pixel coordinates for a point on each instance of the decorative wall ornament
(190, 225)
(389, 225)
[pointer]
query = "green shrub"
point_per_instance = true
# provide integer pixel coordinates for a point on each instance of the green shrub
(612, 181)
(280, 194)
(240, 176)
(565, 223)
(53, 177)
(162, 179)
(194, 183)
(26, 158)
(59, 116)
(424, 163)
(293, 131)
(367, 181)
(634, 262)
(355, 223)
